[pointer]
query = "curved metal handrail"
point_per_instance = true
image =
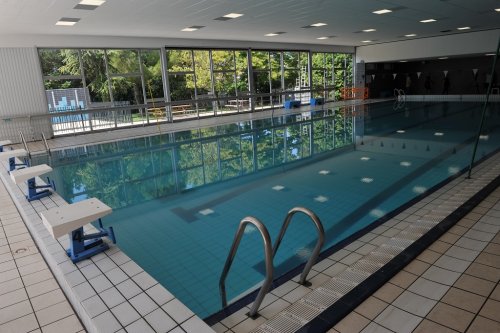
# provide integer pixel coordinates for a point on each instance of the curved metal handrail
(46, 144)
(23, 140)
(319, 243)
(269, 262)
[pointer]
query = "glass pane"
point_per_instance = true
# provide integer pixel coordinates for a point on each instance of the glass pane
(94, 68)
(127, 90)
(224, 84)
(292, 79)
(181, 86)
(151, 65)
(261, 81)
(318, 80)
(291, 59)
(179, 61)
(242, 71)
(57, 62)
(329, 61)
(223, 60)
(318, 60)
(260, 60)
(202, 70)
(123, 61)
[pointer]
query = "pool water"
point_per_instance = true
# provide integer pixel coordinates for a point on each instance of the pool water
(178, 198)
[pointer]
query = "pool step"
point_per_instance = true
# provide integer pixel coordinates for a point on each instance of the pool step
(311, 305)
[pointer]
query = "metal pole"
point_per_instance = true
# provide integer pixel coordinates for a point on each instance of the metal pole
(484, 110)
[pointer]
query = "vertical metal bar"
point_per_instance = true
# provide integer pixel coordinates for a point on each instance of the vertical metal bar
(251, 83)
(268, 260)
(321, 239)
(488, 92)
(166, 86)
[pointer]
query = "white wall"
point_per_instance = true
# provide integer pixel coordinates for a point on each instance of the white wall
(21, 93)
(480, 42)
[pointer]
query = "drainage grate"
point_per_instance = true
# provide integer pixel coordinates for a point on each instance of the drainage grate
(282, 324)
(398, 242)
(305, 310)
(387, 250)
(379, 257)
(322, 297)
(408, 235)
(366, 266)
(337, 286)
(353, 276)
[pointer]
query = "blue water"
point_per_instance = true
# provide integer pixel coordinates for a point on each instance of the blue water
(178, 198)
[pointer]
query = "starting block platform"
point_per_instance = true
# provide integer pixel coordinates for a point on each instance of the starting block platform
(70, 219)
(291, 104)
(4, 143)
(6, 154)
(11, 156)
(28, 175)
(317, 101)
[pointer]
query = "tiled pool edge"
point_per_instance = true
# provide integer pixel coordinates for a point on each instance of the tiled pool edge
(109, 292)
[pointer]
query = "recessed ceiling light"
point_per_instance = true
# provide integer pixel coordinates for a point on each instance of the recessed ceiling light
(193, 28)
(92, 2)
(428, 20)
(318, 24)
(233, 15)
(369, 30)
(382, 11)
(442, 58)
(410, 35)
(497, 9)
(274, 34)
(489, 54)
(463, 28)
(67, 21)
(366, 41)
(322, 37)
(403, 60)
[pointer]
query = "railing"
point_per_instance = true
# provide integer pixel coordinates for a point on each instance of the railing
(47, 149)
(268, 258)
(23, 140)
(354, 93)
(321, 238)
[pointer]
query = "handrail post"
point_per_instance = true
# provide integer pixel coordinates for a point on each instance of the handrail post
(488, 92)
(321, 239)
(268, 258)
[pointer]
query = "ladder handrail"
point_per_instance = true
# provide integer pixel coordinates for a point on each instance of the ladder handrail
(268, 258)
(319, 243)
(23, 140)
(46, 144)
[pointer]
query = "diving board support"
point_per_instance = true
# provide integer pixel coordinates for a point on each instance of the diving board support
(4, 143)
(28, 175)
(70, 219)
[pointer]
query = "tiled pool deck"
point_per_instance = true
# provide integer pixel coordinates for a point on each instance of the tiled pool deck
(456, 277)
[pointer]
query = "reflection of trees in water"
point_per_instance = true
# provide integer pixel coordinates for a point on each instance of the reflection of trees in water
(202, 157)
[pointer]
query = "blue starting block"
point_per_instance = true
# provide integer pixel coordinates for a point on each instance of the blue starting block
(4, 143)
(28, 175)
(70, 219)
(11, 156)
(291, 104)
(317, 101)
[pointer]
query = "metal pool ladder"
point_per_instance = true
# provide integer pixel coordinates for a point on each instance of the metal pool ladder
(23, 140)
(270, 253)
(269, 263)
(321, 239)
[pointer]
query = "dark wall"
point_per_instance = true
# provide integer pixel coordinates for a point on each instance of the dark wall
(460, 76)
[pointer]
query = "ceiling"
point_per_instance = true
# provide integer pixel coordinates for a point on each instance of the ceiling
(345, 19)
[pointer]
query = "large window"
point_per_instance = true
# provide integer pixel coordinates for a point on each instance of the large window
(122, 87)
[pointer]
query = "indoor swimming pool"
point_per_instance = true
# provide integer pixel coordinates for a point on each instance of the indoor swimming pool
(179, 197)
